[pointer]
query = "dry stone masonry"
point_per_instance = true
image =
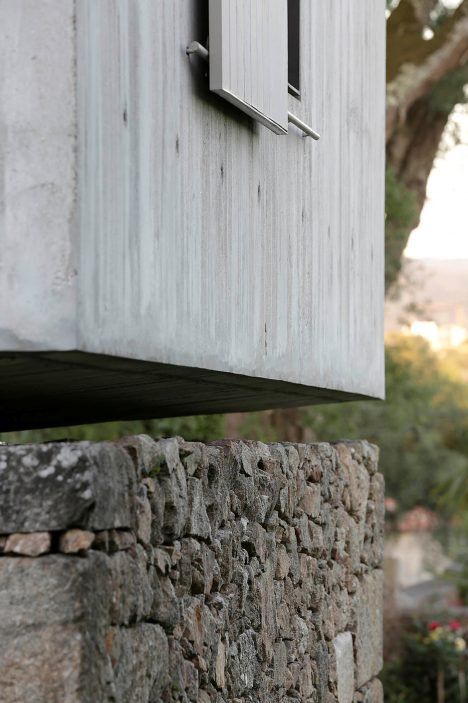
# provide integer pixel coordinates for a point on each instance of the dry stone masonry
(146, 571)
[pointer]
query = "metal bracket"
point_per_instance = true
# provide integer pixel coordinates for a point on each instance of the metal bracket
(199, 50)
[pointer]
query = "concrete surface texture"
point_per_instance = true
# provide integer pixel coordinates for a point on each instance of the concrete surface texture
(145, 218)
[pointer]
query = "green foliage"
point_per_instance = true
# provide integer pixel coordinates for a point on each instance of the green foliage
(453, 487)
(202, 428)
(433, 663)
(448, 92)
(441, 12)
(415, 427)
(401, 214)
(458, 574)
(457, 536)
(258, 426)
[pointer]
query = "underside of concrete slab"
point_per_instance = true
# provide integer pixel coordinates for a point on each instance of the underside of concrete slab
(69, 388)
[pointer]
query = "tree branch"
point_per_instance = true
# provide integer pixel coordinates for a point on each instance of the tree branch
(415, 65)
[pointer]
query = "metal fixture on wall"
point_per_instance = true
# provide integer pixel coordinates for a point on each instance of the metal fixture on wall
(201, 51)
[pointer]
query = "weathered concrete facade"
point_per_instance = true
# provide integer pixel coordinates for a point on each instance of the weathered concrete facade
(168, 571)
(153, 236)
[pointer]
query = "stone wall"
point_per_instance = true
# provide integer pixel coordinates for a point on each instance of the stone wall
(149, 571)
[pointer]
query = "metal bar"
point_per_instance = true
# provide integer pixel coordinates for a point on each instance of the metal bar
(198, 49)
(308, 131)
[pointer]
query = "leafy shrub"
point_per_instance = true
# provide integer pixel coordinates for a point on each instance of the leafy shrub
(433, 667)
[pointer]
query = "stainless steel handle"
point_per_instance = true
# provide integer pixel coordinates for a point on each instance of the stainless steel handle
(308, 131)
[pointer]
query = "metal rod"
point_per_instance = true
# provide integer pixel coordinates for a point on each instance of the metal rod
(198, 49)
(308, 131)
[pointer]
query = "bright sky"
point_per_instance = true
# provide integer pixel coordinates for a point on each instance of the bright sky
(443, 231)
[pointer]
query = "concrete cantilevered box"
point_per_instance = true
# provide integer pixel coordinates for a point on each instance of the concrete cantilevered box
(167, 246)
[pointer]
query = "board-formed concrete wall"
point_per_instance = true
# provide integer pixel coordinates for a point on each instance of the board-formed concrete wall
(144, 220)
(149, 571)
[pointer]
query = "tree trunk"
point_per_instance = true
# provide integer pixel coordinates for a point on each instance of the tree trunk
(440, 685)
(425, 80)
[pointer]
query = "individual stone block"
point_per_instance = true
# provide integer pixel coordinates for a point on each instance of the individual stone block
(140, 663)
(120, 540)
(147, 454)
(372, 693)
(283, 563)
(28, 545)
(198, 524)
(162, 560)
(369, 627)
(165, 607)
(43, 667)
(243, 664)
(62, 484)
(220, 664)
(357, 479)
(131, 586)
(143, 516)
(73, 541)
(310, 502)
(343, 647)
(373, 550)
(53, 618)
(173, 486)
(340, 608)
